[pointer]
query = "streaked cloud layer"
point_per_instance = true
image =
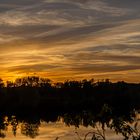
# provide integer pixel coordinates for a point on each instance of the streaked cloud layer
(70, 39)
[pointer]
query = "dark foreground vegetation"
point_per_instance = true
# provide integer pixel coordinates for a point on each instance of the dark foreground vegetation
(31, 99)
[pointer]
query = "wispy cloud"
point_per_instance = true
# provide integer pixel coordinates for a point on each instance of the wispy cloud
(70, 38)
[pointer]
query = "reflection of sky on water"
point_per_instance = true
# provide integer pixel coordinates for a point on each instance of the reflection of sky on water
(52, 130)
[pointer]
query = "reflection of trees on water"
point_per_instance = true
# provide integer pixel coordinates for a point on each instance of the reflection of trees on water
(30, 130)
(84, 102)
(3, 126)
(106, 118)
(14, 124)
(127, 125)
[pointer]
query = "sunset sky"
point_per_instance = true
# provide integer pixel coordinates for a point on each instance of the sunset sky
(70, 39)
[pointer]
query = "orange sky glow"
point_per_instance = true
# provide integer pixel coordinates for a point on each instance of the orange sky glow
(70, 39)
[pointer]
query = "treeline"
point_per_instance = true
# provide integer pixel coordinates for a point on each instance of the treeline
(35, 94)
(30, 100)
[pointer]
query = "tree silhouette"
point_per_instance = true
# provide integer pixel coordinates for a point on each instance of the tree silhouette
(83, 102)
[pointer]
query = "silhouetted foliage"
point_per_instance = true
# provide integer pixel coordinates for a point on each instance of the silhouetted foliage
(83, 102)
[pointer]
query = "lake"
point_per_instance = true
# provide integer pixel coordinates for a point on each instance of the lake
(50, 131)
(58, 130)
(34, 108)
